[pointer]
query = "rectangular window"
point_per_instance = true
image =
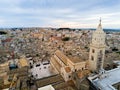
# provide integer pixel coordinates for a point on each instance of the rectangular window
(93, 51)
(92, 58)
(69, 76)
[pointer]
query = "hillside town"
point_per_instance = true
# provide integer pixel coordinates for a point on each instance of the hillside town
(59, 58)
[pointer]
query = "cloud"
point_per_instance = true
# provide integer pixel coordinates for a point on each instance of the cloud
(58, 13)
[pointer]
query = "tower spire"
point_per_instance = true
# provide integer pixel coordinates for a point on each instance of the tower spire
(100, 20)
(99, 25)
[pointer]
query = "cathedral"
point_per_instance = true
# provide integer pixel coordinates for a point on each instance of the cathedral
(66, 66)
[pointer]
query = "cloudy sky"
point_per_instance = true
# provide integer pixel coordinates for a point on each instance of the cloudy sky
(59, 13)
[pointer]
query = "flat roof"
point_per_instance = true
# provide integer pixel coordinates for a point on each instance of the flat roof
(75, 59)
(42, 70)
(113, 77)
(65, 58)
(23, 62)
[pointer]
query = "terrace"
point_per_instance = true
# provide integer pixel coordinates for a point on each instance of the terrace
(41, 70)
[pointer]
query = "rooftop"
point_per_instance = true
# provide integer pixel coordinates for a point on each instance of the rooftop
(62, 57)
(112, 77)
(23, 62)
(75, 59)
(54, 79)
(39, 70)
(48, 87)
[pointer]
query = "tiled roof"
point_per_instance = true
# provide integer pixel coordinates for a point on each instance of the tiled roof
(61, 56)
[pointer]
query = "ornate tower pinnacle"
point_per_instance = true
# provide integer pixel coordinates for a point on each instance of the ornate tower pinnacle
(100, 25)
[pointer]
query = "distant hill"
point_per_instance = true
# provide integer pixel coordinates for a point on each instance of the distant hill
(26, 28)
(3, 32)
(111, 30)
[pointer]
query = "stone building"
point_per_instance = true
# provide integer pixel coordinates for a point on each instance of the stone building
(97, 49)
(66, 65)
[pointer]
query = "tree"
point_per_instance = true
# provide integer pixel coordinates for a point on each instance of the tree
(66, 39)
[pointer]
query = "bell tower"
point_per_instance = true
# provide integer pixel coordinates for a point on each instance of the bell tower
(97, 49)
